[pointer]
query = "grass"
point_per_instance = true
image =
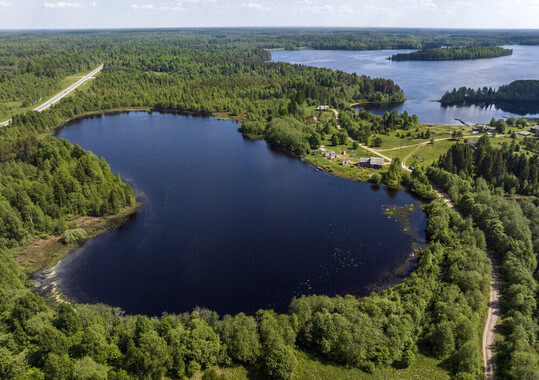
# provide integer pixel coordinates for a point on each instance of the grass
(423, 155)
(334, 166)
(313, 367)
(437, 132)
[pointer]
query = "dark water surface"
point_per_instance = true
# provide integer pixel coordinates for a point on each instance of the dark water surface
(229, 224)
(423, 82)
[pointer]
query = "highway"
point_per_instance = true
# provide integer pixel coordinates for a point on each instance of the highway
(62, 94)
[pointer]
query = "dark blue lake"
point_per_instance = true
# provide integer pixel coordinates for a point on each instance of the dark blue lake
(424, 82)
(230, 224)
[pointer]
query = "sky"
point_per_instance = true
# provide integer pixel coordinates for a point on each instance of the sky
(83, 14)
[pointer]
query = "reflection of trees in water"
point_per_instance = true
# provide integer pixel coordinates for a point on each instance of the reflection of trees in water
(519, 108)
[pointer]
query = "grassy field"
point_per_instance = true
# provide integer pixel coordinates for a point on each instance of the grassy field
(402, 138)
(311, 367)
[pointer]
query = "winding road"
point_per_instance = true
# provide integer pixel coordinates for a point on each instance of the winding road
(62, 94)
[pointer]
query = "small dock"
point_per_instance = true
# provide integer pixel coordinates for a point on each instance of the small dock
(463, 122)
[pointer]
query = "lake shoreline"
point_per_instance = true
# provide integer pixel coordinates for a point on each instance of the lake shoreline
(42, 254)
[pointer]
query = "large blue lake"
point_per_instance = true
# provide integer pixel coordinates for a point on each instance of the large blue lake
(424, 82)
(230, 224)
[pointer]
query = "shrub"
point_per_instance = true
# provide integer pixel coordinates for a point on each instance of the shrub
(72, 236)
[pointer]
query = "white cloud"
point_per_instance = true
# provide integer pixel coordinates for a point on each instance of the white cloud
(256, 6)
(142, 6)
(176, 6)
(93, 4)
(62, 4)
(423, 4)
(5, 4)
(320, 9)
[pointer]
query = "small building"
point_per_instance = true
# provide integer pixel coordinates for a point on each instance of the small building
(376, 162)
(372, 162)
(330, 155)
(346, 162)
(472, 143)
(481, 128)
(525, 133)
(343, 152)
(535, 129)
(363, 162)
(322, 108)
(317, 152)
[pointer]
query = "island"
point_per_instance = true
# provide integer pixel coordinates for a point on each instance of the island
(521, 96)
(454, 53)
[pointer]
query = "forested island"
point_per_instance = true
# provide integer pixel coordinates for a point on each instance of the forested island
(454, 53)
(520, 95)
(436, 313)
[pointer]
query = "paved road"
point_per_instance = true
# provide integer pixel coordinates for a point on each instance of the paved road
(62, 94)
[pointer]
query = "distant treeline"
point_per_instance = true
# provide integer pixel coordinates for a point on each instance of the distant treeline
(525, 93)
(453, 53)
(365, 39)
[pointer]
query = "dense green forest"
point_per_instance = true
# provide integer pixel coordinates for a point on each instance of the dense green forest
(522, 95)
(46, 183)
(454, 53)
(511, 231)
(503, 167)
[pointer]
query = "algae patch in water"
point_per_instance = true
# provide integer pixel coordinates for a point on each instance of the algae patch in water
(403, 215)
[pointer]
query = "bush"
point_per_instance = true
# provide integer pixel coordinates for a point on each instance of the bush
(375, 178)
(72, 236)
(280, 362)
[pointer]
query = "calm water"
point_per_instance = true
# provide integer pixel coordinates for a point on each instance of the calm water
(229, 224)
(425, 82)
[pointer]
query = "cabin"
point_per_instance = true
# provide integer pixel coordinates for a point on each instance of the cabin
(346, 162)
(376, 162)
(363, 162)
(330, 155)
(372, 162)
(318, 152)
(343, 152)
(481, 128)
(322, 108)
(525, 133)
(472, 144)
(535, 129)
